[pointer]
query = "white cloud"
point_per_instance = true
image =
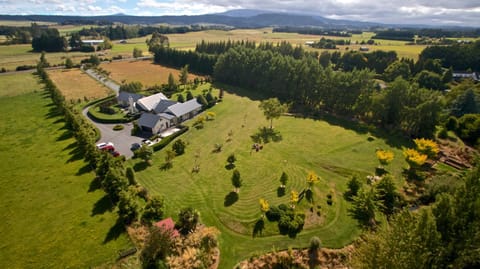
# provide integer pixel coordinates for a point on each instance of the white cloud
(406, 11)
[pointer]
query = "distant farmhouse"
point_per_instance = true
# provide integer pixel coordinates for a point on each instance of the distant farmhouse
(465, 75)
(93, 42)
(158, 112)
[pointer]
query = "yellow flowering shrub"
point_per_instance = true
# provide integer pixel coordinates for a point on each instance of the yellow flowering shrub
(384, 156)
(312, 178)
(427, 146)
(414, 158)
(264, 206)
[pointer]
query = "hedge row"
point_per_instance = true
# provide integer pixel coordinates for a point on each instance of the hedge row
(110, 171)
(165, 141)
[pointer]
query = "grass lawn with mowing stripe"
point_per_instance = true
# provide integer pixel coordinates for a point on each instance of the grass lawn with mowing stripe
(331, 151)
(52, 214)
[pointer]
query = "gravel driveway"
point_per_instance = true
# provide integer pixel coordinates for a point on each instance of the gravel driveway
(122, 139)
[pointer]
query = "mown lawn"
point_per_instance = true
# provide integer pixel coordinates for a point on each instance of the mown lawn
(332, 151)
(53, 216)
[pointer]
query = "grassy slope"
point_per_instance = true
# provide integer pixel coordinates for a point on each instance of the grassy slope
(51, 218)
(331, 151)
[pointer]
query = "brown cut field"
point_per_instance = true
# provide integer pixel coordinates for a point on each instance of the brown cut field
(74, 84)
(148, 73)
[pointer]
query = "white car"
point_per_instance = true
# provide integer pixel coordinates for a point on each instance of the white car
(105, 145)
(147, 142)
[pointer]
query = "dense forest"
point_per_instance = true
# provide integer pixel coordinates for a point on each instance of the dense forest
(444, 235)
(412, 102)
(315, 31)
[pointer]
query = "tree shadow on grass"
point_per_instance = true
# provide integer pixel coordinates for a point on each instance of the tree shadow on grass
(265, 135)
(230, 166)
(59, 120)
(230, 199)
(258, 228)
(71, 145)
(76, 155)
(309, 195)
(84, 169)
(115, 231)
(103, 205)
(166, 166)
(140, 166)
(53, 112)
(95, 185)
(65, 135)
(280, 192)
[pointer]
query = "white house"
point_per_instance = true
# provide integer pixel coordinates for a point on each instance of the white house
(160, 113)
(149, 103)
(185, 111)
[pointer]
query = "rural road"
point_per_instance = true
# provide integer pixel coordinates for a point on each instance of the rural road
(104, 80)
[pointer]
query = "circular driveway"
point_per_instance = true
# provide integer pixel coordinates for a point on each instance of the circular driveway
(122, 140)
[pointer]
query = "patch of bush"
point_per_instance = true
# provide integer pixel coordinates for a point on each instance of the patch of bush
(289, 222)
(274, 213)
(25, 67)
(118, 127)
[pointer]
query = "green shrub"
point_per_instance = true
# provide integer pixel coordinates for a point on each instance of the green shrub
(179, 147)
(118, 127)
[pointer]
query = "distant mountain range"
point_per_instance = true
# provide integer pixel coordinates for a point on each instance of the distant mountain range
(243, 18)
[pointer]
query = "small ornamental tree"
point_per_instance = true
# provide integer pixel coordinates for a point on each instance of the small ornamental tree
(312, 178)
(201, 100)
(293, 198)
(189, 95)
(264, 206)
(130, 174)
(172, 85)
(353, 186)
(180, 98)
(183, 76)
(179, 147)
(68, 63)
(153, 210)
(414, 158)
(137, 53)
(127, 207)
(145, 153)
(157, 246)
(384, 156)
(272, 109)
(170, 155)
(427, 147)
(188, 219)
(315, 244)
(236, 180)
(211, 115)
(283, 180)
(231, 159)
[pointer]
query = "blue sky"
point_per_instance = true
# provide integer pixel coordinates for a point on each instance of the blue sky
(433, 12)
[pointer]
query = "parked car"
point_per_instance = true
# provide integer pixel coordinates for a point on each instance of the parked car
(115, 153)
(147, 142)
(104, 145)
(135, 146)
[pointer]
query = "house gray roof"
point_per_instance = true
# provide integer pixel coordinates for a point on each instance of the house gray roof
(150, 102)
(166, 116)
(163, 105)
(180, 109)
(123, 96)
(148, 120)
